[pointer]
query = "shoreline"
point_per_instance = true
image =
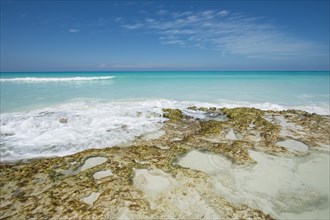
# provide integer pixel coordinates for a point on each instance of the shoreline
(73, 127)
(160, 171)
(183, 110)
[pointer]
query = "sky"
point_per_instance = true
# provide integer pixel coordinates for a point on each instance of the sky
(219, 35)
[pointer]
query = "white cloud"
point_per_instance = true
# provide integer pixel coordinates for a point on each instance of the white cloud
(223, 13)
(118, 19)
(134, 26)
(177, 32)
(209, 14)
(181, 14)
(161, 12)
(149, 20)
(229, 33)
(179, 42)
(73, 30)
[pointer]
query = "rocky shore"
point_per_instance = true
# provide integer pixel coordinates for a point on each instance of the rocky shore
(204, 163)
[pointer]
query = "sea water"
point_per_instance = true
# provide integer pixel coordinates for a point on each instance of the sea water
(50, 114)
(269, 90)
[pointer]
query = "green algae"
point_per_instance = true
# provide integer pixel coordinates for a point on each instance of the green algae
(172, 114)
(243, 117)
(210, 127)
(194, 108)
(237, 152)
(203, 109)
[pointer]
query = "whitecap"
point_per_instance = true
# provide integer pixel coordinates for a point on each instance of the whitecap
(58, 79)
(42, 133)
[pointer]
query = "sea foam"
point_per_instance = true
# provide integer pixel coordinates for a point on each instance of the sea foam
(73, 127)
(61, 79)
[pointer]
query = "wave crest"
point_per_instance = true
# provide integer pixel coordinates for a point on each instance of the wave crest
(61, 79)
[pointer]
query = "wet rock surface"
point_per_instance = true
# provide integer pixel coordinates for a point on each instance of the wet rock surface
(161, 177)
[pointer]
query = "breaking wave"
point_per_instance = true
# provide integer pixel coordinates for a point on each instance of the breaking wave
(61, 79)
(73, 127)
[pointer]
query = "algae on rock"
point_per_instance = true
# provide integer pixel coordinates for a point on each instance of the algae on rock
(211, 127)
(39, 189)
(172, 114)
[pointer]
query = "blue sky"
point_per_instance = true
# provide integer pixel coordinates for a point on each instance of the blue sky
(164, 35)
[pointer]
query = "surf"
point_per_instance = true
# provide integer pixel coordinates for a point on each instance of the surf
(58, 79)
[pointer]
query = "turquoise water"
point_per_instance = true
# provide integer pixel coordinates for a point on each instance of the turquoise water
(303, 90)
(108, 109)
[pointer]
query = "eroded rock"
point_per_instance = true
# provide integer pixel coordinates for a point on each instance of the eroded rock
(172, 114)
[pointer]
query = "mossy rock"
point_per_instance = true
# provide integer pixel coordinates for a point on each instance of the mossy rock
(296, 112)
(237, 152)
(194, 108)
(203, 109)
(211, 127)
(172, 114)
(243, 117)
(235, 113)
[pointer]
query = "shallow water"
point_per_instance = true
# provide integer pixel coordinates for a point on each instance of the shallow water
(295, 188)
(265, 90)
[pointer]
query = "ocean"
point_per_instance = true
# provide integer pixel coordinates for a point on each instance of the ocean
(103, 109)
(307, 91)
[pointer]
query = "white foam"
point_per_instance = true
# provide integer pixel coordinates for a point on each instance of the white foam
(40, 133)
(321, 109)
(202, 115)
(61, 79)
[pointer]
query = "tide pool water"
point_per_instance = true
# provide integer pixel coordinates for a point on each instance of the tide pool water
(50, 114)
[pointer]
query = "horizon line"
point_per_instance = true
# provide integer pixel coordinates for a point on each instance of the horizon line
(105, 71)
